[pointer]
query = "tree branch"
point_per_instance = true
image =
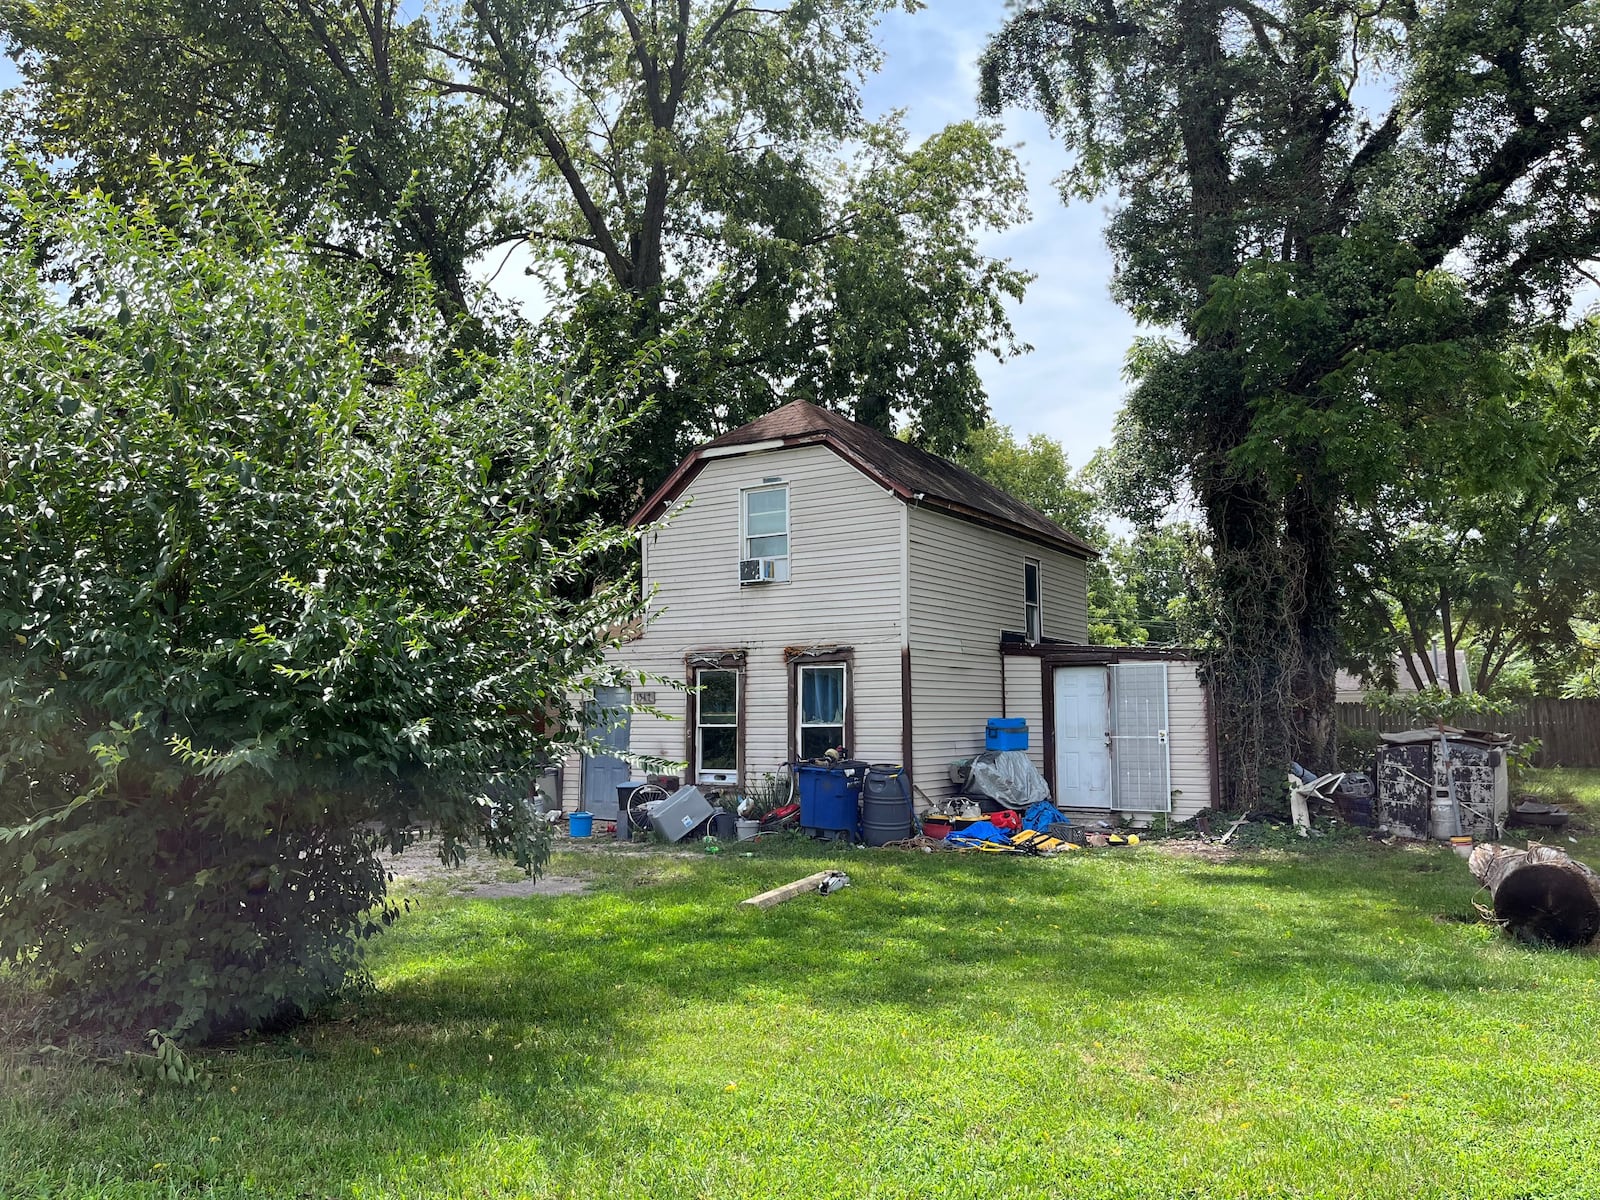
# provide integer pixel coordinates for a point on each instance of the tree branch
(533, 115)
(733, 9)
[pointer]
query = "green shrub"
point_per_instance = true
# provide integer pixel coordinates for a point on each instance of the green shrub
(1356, 748)
(1439, 704)
(265, 605)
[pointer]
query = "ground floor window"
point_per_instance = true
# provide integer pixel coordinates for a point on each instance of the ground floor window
(822, 708)
(717, 726)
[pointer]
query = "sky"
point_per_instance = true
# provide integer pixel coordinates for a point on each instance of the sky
(1069, 386)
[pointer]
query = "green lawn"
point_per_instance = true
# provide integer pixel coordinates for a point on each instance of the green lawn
(1121, 1023)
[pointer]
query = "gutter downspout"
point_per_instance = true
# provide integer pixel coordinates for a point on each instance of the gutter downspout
(907, 724)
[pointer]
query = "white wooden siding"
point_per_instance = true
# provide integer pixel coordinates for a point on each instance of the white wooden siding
(1025, 699)
(965, 590)
(845, 589)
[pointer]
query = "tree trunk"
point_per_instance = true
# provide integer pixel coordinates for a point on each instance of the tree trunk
(875, 412)
(1250, 679)
(1447, 634)
(1312, 532)
(1250, 682)
(1540, 895)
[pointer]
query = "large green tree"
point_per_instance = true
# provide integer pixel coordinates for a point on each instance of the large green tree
(1335, 208)
(1486, 538)
(693, 167)
(1035, 470)
(1141, 589)
(266, 603)
(1147, 588)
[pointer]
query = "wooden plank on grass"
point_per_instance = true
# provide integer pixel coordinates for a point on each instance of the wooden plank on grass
(787, 892)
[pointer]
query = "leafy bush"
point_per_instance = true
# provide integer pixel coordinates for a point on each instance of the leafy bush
(1439, 704)
(1356, 747)
(265, 605)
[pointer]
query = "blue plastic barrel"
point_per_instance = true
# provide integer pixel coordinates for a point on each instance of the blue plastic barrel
(581, 824)
(830, 798)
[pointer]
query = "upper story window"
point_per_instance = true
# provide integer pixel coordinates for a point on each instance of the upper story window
(764, 535)
(1032, 610)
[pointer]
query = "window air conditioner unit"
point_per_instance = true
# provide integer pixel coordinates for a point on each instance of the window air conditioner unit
(758, 570)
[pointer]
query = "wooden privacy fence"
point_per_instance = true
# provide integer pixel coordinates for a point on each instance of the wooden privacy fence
(1569, 729)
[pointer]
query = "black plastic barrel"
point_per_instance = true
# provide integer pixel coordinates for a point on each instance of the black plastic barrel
(886, 804)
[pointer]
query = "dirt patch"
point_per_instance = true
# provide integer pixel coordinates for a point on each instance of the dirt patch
(1195, 848)
(479, 875)
(545, 885)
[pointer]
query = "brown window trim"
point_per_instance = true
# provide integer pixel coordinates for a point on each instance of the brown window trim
(795, 657)
(713, 660)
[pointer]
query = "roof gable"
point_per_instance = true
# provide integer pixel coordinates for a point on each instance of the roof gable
(912, 474)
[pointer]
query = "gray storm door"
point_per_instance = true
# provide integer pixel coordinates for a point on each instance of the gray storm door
(1140, 749)
(608, 724)
(1083, 753)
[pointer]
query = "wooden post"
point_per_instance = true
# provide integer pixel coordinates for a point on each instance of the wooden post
(788, 891)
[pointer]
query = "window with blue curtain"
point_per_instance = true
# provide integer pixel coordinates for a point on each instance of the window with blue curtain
(822, 709)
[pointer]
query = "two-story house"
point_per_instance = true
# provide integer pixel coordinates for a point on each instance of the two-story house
(816, 584)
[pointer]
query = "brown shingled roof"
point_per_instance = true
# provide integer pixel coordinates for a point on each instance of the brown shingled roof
(912, 474)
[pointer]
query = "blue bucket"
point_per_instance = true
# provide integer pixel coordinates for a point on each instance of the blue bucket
(580, 824)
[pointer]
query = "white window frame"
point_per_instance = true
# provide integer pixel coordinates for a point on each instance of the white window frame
(703, 774)
(782, 560)
(1033, 610)
(800, 723)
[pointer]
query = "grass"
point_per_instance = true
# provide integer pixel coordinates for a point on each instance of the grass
(1577, 786)
(1332, 1022)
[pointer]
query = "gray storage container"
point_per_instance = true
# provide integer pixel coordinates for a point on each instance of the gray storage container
(886, 804)
(675, 818)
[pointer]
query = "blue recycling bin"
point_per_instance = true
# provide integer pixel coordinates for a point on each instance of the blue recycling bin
(830, 798)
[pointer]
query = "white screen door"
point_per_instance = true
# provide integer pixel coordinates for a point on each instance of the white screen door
(1083, 753)
(1140, 749)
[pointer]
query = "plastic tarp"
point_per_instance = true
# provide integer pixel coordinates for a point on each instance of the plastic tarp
(978, 833)
(1039, 817)
(1007, 777)
(1042, 815)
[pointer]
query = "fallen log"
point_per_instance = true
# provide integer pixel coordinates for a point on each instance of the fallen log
(1539, 894)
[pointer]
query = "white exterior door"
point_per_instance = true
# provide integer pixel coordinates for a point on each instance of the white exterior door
(1083, 747)
(1141, 751)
